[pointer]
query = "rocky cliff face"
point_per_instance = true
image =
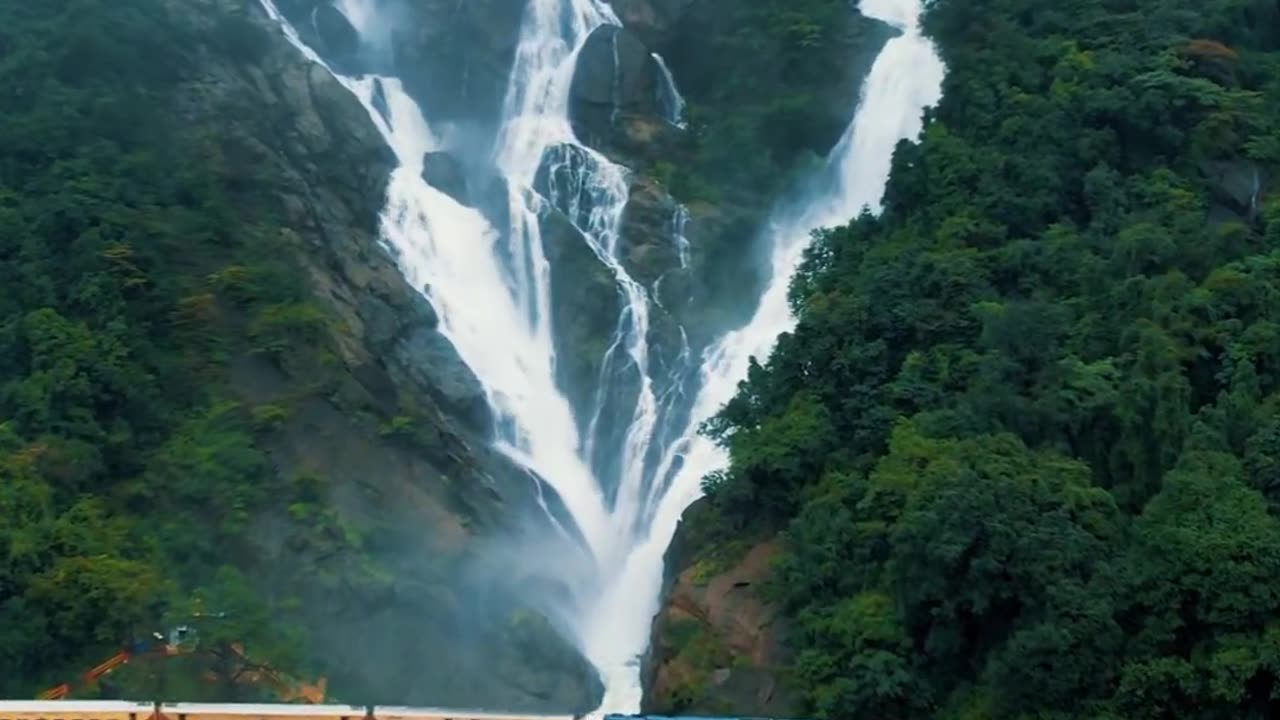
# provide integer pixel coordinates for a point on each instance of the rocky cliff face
(719, 646)
(381, 414)
(384, 416)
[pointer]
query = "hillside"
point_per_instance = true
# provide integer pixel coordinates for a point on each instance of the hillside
(221, 405)
(1018, 459)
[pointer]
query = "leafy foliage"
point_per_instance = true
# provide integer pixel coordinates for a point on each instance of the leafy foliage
(1022, 444)
(134, 266)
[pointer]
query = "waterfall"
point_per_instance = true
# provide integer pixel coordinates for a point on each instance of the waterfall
(626, 472)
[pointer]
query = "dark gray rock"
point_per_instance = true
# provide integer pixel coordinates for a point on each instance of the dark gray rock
(585, 306)
(338, 40)
(323, 27)
(444, 172)
(1236, 184)
(652, 20)
(456, 56)
(702, 47)
(616, 77)
(494, 200)
(647, 235)
(380, 101)
(615, 70)
(381, 325)
(434, 363)
(560, 179)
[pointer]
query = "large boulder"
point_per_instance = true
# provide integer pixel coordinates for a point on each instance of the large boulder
(1236, 185)
(704, 47)
(443, 171)
(571, 178)
(615, 71)
(652, 20)
(455, 57)
(338, 39)
(616, 99)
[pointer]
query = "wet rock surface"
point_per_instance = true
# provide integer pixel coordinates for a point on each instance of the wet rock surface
(616, 76)
(455, 57)
(444, 172)
(648, 241)
(585, 306)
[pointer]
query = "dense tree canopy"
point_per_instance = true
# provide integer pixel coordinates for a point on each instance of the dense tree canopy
(133, 267)
(1023, 443)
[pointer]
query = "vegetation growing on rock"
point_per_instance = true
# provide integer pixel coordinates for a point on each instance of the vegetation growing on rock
(1020, 446)
(770, 85)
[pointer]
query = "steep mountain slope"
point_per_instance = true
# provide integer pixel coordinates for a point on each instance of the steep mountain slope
(1017, 459)
(219, 392)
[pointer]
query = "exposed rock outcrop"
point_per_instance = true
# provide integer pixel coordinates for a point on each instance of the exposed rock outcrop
(443, 171)
(455, 57)
(322, 26)
(718, 647)
(648, 235)
(699, 40)
(616, 95)
(1237, 185)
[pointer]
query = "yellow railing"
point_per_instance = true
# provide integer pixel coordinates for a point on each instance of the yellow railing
(120, 710)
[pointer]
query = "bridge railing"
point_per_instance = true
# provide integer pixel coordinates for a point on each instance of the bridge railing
(124, 710)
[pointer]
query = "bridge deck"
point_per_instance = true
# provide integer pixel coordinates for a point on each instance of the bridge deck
(123, 710)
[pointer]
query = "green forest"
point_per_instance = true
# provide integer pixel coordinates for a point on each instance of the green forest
(135, 265)
(1023, 448)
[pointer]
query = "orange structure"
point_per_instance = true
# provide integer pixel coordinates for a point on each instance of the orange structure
(256, 675)
(286, 691)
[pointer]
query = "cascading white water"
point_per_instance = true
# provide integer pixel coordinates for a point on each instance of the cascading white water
(905, 79)
(592, 192)
(491, 288)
